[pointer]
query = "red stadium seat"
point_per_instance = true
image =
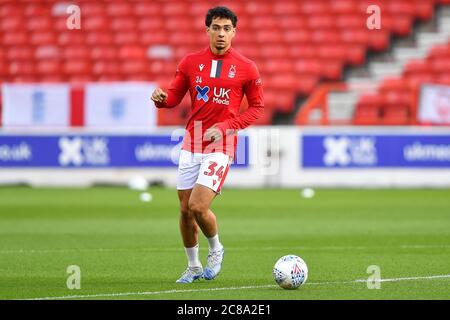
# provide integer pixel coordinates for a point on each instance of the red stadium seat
(292, 22)
(258, 8)
(42, 38)
(423, 10)
(19, 53)
(402, 25)
(134, 67)
(331, 69)
(284, 8)
(162, 68)
(325, 36)
(96, 23)
(323, 21)
(360, 37)
(396, 115)
(313, 8)
(10, 9)
(275, 66)
(416, 67)
(309, 67)
(131, 52)
(37, 10)
(12, 24)
(21, 68)
(150, 38)
(274, 52)
(355, 54)
(3, 69)
(302, 51)
(103, 53)
(366, 115)
(297, 36)
(48, 67)
(179, 24)
(47, 52)
(73, 67)
(123, 24)
(344, 7)
(331, 51)
(15, 39)
(269, 36)
(126, 38)
(378, 40)
(92, 8)
(119, 8)
(72, 38)
(76, 53)
(151, 25)
(265, 22)
(37, 23)
(279, 100)
(99, 38)
(102, 68)
(176, 8)
(146, 9)
(439, 51)
(439, 65)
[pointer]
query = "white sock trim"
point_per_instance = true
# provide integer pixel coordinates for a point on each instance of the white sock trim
(192, 256)
(214, 243)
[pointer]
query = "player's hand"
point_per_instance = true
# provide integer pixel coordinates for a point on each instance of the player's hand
(159, 95)
(213, 134)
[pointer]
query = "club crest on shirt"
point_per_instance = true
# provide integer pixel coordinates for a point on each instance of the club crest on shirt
(232, 72)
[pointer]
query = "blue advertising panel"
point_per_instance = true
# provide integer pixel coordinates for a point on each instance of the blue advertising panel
(98, 151)
(375, 151)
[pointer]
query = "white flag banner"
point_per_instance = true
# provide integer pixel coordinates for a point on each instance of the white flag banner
(434, 104)
(125, 104)
(36, 105)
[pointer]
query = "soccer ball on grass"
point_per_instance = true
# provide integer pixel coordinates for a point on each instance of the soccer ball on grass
(290, 272)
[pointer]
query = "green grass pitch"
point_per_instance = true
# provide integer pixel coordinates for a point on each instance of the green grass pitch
(128, 249)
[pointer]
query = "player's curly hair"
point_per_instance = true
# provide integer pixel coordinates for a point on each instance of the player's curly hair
(220, 12)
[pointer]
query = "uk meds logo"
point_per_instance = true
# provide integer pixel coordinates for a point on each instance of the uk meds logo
(202, 93)
(345, 151)
(83, 151)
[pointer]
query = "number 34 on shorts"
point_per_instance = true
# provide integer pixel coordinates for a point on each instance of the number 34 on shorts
(209, 170)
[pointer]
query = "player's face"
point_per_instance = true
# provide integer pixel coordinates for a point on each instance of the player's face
(220, 32)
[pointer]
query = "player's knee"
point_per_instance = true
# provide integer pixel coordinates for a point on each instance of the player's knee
(186, 214)
(197, 209)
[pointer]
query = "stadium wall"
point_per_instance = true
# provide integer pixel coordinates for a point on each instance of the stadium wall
(284, 156)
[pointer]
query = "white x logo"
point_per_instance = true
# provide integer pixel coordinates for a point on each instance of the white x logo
(336, 151)
(70, 151)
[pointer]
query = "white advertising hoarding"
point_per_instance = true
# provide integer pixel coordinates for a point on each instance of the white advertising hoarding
(36, 105)
(434, 104)
(125, 104)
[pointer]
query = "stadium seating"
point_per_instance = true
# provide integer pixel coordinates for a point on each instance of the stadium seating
(296, 44)
(394, 103)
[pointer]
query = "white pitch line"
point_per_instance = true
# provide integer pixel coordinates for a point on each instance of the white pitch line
(106, 295)
(66, 250)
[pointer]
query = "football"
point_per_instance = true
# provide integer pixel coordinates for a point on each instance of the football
(290, 272)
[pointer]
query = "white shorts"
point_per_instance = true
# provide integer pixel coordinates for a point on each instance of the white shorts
(207, 169)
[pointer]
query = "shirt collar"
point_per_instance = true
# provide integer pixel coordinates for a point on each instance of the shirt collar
(220, 56)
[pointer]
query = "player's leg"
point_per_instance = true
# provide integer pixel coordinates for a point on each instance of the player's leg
(188, 225)
(199, 203)
(187, 175)
(211, 176)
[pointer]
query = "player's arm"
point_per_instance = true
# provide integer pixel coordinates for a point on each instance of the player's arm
(255, 96)
(176, 91)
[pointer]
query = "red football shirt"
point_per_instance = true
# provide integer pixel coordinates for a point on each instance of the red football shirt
(216, 84)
